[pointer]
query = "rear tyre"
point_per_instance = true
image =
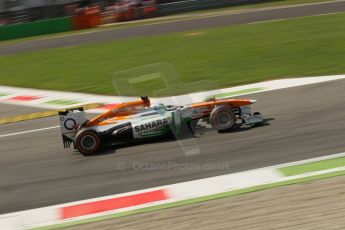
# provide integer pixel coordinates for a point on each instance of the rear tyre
(223, 118)
(87, 142)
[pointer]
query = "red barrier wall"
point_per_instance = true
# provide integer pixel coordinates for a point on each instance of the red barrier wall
(88, 18)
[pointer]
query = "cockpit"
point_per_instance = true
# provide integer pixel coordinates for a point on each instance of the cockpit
(159, 107)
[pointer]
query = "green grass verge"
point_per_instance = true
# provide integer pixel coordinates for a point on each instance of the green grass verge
(239, 92)
(226, 56)
(195, 200)
(62, 102)
(313, 166)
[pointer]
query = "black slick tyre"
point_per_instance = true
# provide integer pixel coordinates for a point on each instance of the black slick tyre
(222, 118)
(87, 142)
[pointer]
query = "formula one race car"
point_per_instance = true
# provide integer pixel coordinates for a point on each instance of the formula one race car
(138, 120)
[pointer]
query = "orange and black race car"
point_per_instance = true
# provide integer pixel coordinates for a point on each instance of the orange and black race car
(138, 120)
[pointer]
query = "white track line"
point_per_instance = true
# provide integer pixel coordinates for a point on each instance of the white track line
(300, 17)
(28, 131)
(322, 158)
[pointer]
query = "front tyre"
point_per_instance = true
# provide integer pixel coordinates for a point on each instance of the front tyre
(87, 142)
(222, 118)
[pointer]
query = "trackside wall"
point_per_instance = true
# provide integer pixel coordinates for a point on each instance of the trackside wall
(22, 30)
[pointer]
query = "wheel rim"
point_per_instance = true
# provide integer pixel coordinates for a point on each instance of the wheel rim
(224, 119)
(88, 142)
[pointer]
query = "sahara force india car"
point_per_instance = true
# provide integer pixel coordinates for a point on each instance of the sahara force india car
(138, 120)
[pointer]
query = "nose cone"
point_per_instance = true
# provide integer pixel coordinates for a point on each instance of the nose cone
(252, 101)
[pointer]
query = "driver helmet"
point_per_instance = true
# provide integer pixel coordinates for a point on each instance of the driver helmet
(159, 107)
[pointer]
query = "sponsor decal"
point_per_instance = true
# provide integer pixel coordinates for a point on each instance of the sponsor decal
(148, 114)
(195, 112)
(161, 131)
(151, 125)
(200, 110)
(125, 109)
(104, 118)
(69, 124)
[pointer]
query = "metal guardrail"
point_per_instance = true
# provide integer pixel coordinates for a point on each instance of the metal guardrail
(190, 5)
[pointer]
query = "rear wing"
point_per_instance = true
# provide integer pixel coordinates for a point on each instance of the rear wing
(70, 122)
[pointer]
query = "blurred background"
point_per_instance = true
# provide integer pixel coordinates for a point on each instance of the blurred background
(256, 49)
(14, 11)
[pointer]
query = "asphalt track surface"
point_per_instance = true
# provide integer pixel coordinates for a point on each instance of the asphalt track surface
(306, 122)
(8, 110)
(178, 26)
